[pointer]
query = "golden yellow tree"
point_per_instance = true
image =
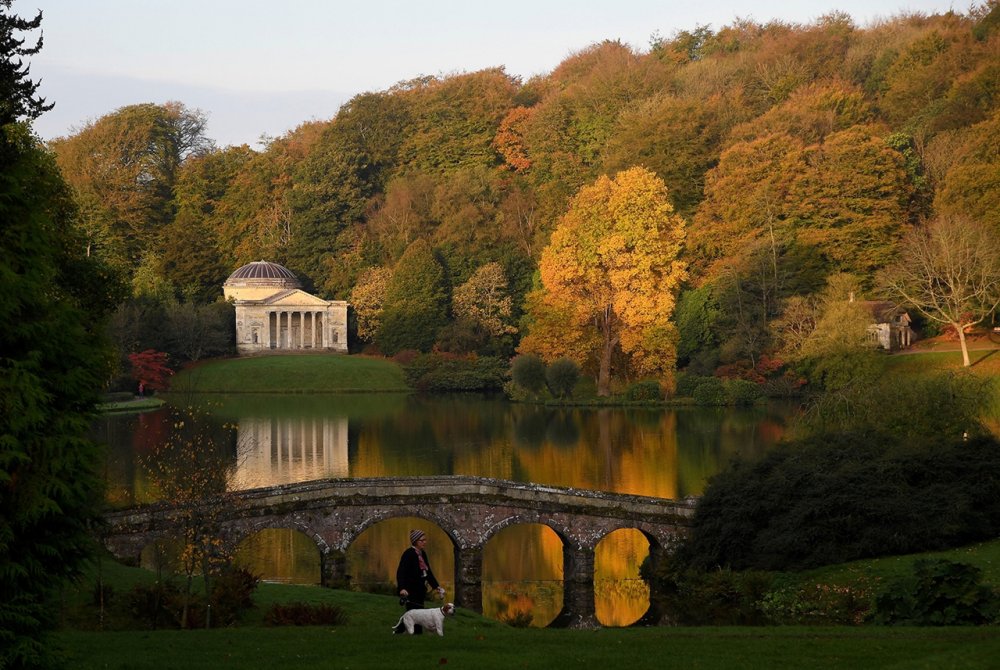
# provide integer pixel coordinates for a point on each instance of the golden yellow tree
(610, 277)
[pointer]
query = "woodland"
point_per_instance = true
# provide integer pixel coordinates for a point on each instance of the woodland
(710, 204)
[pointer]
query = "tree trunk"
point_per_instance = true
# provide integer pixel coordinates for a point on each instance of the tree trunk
(608, 346)
(965, 346)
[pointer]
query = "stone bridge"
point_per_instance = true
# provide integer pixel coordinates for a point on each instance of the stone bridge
(470, 510)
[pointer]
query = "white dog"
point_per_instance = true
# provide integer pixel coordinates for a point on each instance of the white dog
(431, 620)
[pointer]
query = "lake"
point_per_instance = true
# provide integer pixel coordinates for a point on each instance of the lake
(267, 440)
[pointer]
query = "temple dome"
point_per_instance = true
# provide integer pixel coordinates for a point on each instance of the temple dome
(263, 270)
(258, 279)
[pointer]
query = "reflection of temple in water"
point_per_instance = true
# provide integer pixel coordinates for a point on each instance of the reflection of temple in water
(285, 450)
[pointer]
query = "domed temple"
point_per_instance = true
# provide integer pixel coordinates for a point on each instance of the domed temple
(273, 313)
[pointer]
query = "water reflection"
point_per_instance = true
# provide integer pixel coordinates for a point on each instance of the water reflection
(285, 439)
(278, 450)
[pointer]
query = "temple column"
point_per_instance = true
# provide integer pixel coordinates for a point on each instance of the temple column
(267, 330)
(302, 330)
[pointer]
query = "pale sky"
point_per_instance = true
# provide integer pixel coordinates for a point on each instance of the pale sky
(258, 67)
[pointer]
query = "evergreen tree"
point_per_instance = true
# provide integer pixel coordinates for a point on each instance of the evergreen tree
(52, 364)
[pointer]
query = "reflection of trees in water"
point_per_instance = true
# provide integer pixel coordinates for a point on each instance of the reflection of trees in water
(529, 427)
(373, 556)
(621, 598)
(620, 602)
(562, 429)
(508, 601)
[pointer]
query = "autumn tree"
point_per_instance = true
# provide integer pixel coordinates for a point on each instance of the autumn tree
(484, 299)
(949, 271)
(367, 299)
(970, 177)
(123, 168)
(150, 369)
(613, 267)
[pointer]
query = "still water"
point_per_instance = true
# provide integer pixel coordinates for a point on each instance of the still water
(267, 440)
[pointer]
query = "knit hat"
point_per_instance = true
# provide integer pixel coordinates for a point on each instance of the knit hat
(416, 535)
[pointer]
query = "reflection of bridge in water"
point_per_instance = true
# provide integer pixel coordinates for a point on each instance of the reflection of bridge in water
(470, 510)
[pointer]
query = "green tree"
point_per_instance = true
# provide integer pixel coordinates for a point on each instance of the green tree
(613, 265)
(416, 301)
(53, 361)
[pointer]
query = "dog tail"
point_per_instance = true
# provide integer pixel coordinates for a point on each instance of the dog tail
(393, 628)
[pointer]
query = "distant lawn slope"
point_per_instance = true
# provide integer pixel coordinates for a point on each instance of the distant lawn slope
(313, 373)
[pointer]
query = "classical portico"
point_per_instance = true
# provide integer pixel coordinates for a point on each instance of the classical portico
(274, 314)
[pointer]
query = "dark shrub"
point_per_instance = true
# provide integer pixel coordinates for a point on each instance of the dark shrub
(447, 372)
(940, 593)
(710, 391)
(154, 605)
(742, 392)
(647, 391)
(687, 382)
(528, 372)
(718, 597)
(232, 593)
(836, 498)
(561, 377)
(304, 614)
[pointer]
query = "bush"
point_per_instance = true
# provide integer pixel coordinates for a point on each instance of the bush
(940, 593)
(232, 593)
(154, 605)
(444, 372)
(817, 605)
(710, 391)
(687, 382)
(561, 377)
(647, 391)
(836, 498)
(720, 597)
(528, 372)
(742, 392)
(304, 614)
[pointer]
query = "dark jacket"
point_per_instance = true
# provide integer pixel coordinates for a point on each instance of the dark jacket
(410, 577)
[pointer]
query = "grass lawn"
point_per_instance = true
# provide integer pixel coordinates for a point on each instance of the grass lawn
(472, 641)
(307, 373)
(135, 405)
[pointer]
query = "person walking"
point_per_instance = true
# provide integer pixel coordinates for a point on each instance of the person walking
(414, 576)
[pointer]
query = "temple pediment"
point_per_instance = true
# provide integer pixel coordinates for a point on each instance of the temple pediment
(293, 298)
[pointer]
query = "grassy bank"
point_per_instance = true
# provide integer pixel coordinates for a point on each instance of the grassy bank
(312, 373)
(472, 641)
